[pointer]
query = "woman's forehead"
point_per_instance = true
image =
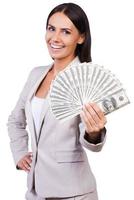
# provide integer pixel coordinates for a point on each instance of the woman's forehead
(60, 20)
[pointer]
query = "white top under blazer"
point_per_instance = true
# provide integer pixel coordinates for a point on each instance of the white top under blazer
(36, 105)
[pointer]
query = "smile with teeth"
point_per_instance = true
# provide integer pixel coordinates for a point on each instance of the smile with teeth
(57, 46)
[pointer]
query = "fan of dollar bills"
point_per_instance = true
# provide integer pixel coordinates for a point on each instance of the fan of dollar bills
(79, 84)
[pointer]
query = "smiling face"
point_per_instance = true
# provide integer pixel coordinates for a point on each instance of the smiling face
(62, 37)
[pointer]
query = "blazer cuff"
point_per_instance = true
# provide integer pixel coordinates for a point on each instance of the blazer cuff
(98, 139)
(90, 145)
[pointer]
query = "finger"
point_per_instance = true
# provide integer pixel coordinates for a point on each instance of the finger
(26, 165)
(25, 169)
(97, 110)
(28, 159)
(89, 115)
(86, 122)
(21, 166)
(93, 114)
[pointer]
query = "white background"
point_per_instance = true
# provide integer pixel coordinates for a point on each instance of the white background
(22, 47)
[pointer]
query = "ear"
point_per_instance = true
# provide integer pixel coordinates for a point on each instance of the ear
(81, 39)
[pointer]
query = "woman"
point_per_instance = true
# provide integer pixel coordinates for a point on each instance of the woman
(58, 167)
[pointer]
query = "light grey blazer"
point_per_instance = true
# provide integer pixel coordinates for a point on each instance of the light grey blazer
(60, 165)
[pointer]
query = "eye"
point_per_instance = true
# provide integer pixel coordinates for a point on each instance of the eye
(65, 31)
(50, 28)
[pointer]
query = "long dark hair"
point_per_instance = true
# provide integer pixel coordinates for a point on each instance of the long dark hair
(78, 17)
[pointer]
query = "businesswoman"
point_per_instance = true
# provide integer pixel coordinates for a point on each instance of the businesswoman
(58, 166)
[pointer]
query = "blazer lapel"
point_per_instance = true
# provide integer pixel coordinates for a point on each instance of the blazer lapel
(28, 106)
(45, 109)
(36, 85)
(31, 124)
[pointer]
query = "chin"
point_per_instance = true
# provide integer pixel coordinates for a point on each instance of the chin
(57, 57)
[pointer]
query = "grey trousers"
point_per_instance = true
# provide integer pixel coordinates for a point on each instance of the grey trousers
(88, 196)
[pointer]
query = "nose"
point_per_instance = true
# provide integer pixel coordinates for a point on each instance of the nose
(56, 36)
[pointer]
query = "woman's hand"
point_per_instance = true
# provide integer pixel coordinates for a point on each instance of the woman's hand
(25, 162)
(93, 119)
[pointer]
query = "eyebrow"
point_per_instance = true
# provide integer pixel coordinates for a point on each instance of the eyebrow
(61, 28)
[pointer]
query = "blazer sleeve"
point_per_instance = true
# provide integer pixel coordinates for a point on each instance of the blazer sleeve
(17, 124)
(88, 145)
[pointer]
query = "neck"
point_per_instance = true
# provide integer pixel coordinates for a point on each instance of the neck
(60, 65)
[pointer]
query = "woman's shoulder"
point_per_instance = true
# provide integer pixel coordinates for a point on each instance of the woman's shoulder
(37, 71)
(40, 69)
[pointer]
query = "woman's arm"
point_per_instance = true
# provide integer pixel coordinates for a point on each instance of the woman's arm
(17, 125)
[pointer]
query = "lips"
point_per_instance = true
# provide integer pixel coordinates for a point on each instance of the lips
(54, 46)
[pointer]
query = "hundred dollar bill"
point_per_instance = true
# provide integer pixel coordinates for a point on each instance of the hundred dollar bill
(113, 101)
